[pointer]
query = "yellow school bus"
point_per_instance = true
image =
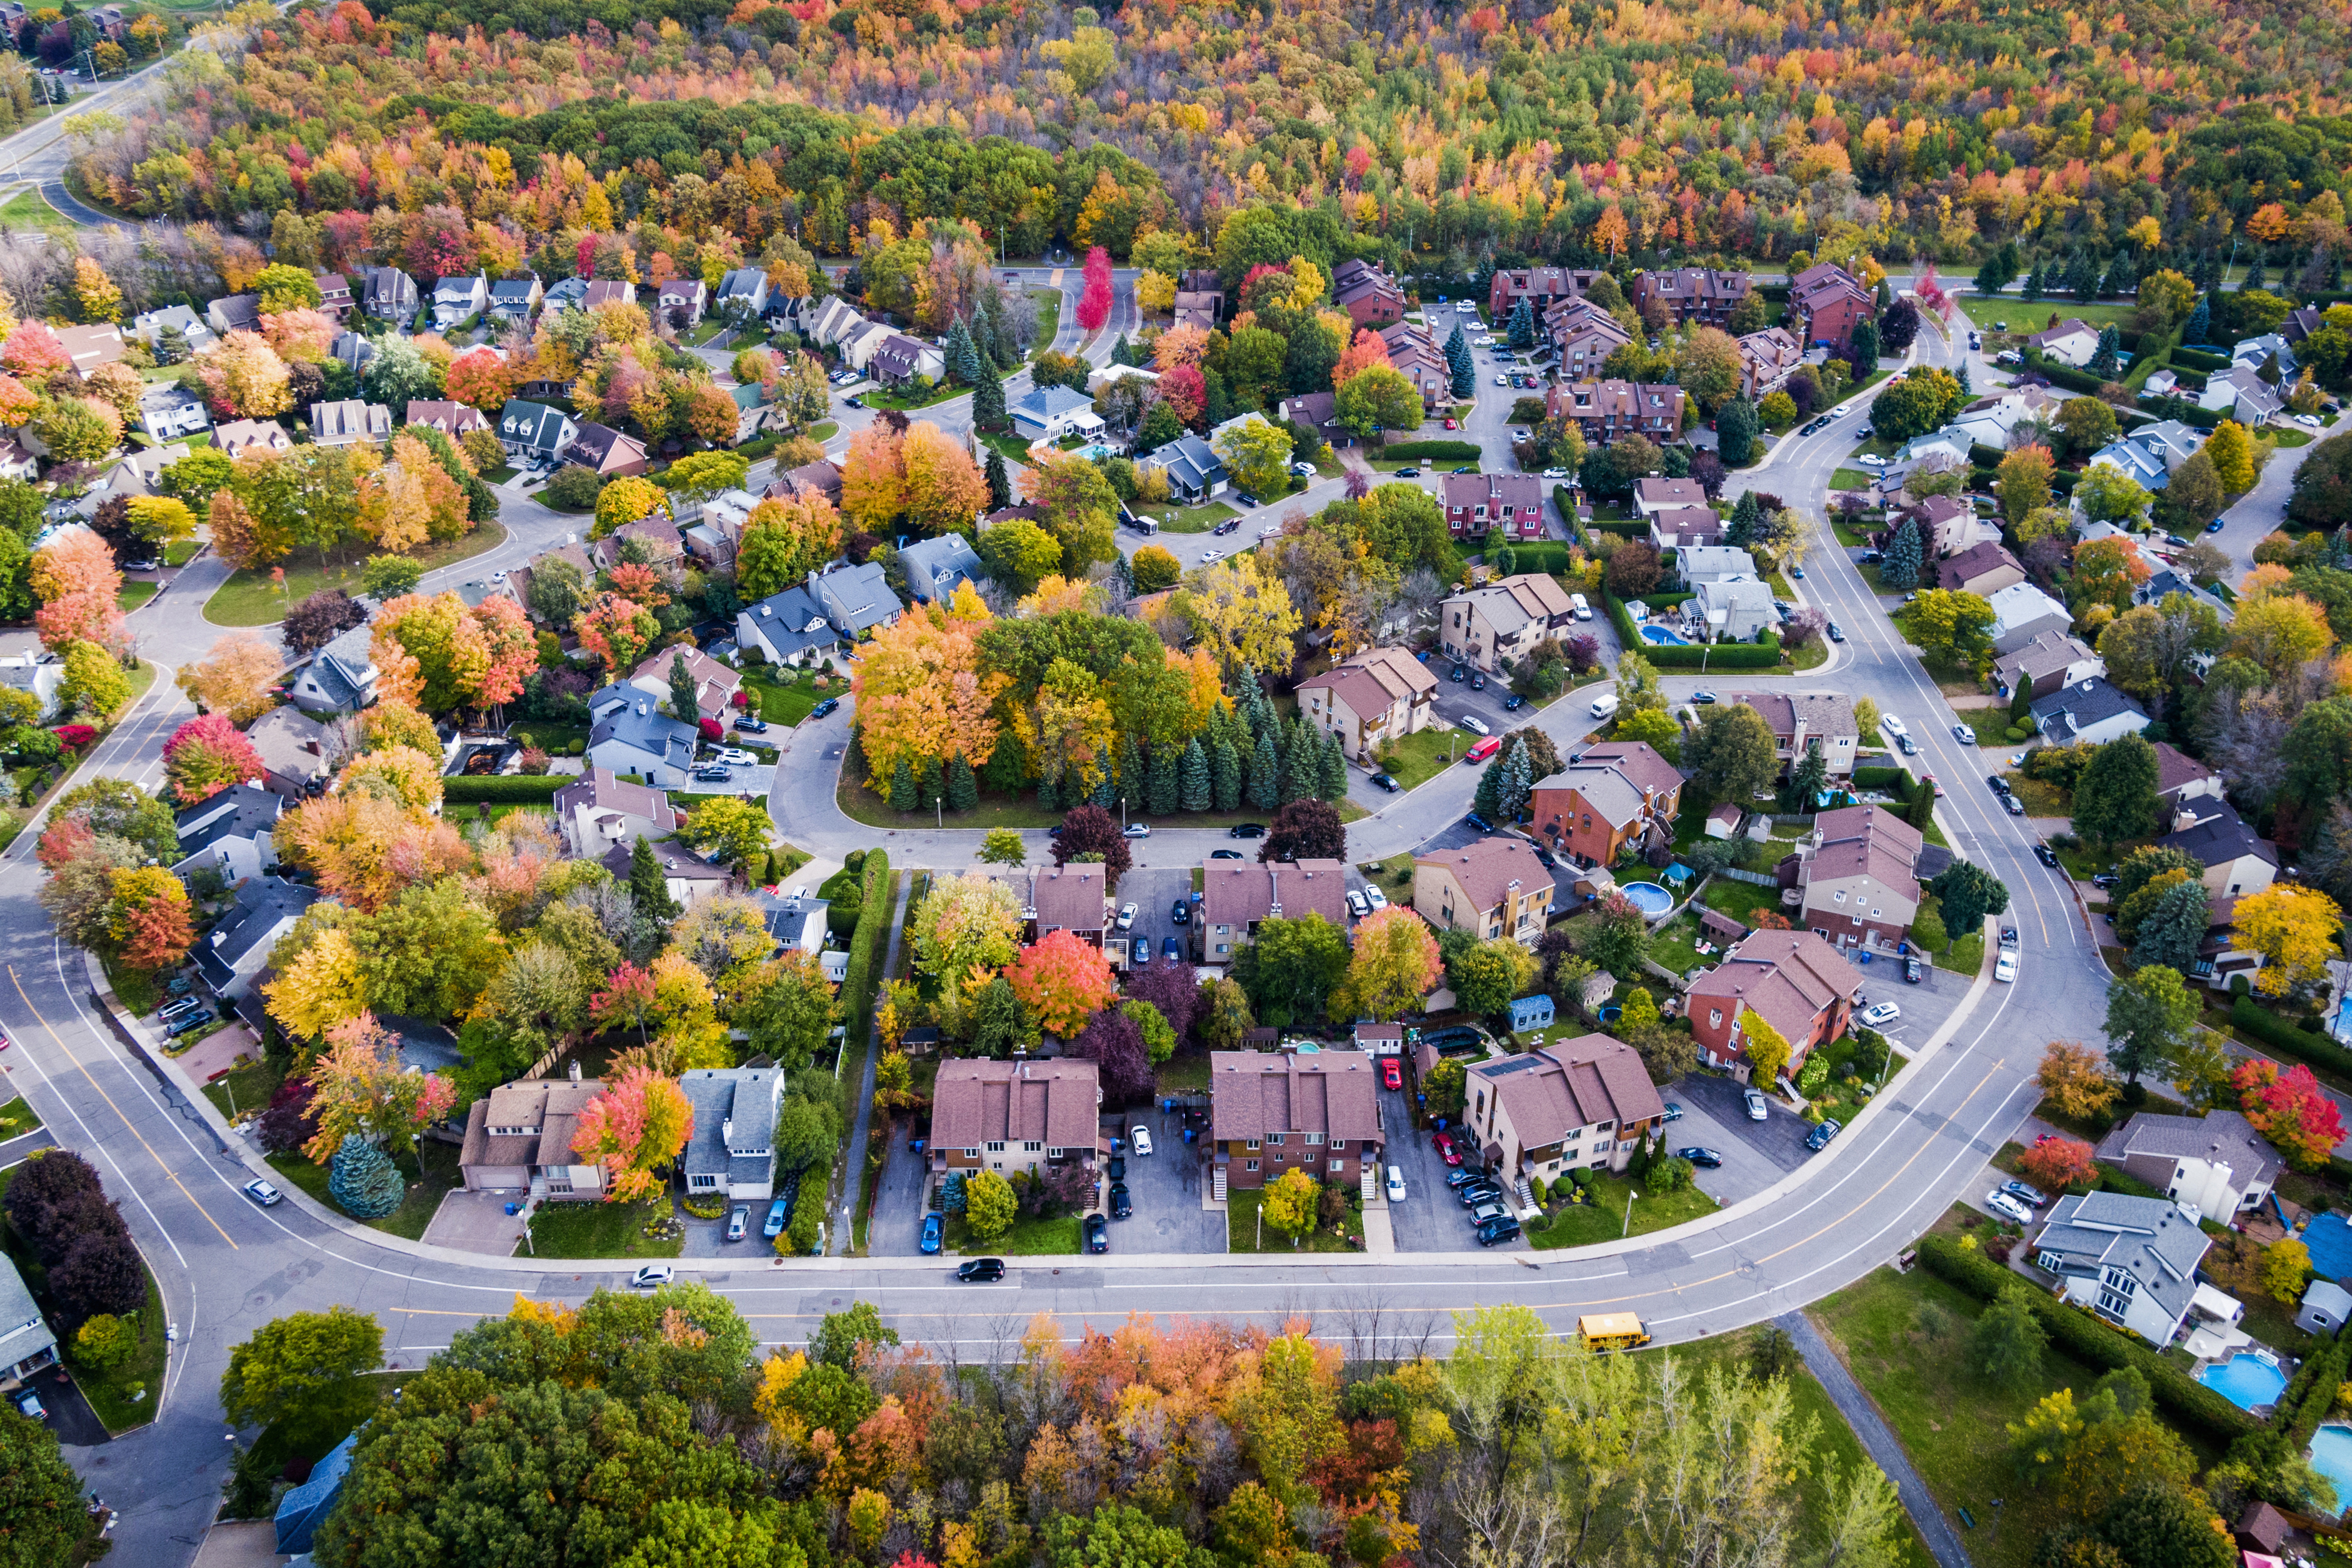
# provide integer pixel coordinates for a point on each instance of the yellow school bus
(1612, 1330)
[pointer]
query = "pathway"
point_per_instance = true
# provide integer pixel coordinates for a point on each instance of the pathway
(854, 1174)
(1877, 1440)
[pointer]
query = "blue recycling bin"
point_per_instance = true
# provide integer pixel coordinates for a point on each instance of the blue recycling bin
(514, 1208)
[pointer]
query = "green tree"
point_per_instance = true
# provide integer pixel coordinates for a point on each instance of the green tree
(1967, 893)
(1487, 975)
(2115, 798)
(2170, 934)
(647, 886)
(291, 1360)
(1289, 966)
(2007, 1343)
(1288, 1204)
(1731, 757)
(42, 1513)
(1257, 453)
(1806, 781)
(2149, 1014)
(1003, 846)
(1376, 399)
(1953, 627)
(841, 1335)
(1735, 432)
(1900, 568)
(989, 1204)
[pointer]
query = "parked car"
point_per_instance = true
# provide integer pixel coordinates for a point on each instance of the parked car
(2046, 854)
(2008, 1208)
(825, 708)
(1485, 1213)
(1141, 1140)
(1513, 703)
(2014, 805)
(1357, 905)
(1907, 746)
(735, 757)
(1446, 1150)
(1707, 1159)
(1819, 1138)
(1372, 895)
(1703, 698)
(751, 724)
(981, 1270)
(1396, 1184)
(1835, 636)
(1474, 1193)
(1755, 1103)
(1495, 1232)
(1174, 951)
(1391, 1073)
(934, 1231)
(1911, 971)
(1246, 831)
(1126, 914)
(739, 1223)
(1880, 1016)
(1479, 682)
(1139, 830)
(262, 1193)
(1385, 782)
(778, 1212)
(2004, 968)
(652, 1277)
(1674, 1111)
(28, 1405)
(714, 774)
(1964, 734)
(1097, 1233)
(2025, 1193)
(1893, 725)
(188, 1025)
(1227, 855)
(1479, 822)
(1121, 1204)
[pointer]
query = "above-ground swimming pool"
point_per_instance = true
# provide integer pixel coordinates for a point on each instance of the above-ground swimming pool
(1648, 897)
(1660, 634)
(2331, 1456)
(2247, 1380)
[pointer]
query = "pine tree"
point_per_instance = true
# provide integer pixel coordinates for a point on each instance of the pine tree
(1105, 795)
(363, 1181)
(2082, 275)
(987, 412)
(2103, 358)
(1265, 773)
(963, 357)
(648, 889)
(2020, 704)
(1523, 325)
(1193, 790)
(1225, 774)
(985, 336)
(1049, 797)
(1488, 802)
(902, 787)
(2257, 276)
(1159, 774)
(1005, 770)
(1746, 515)
(1121, 353)
(2033, 283)
(999, 483)
(1335, 771)
(1862, 354)
(1132, 779)
(1900, 567)
(2200, 321)
(929, 789)
(1511, 793)
(685, 703)
(1961, 376)
(1806, 781)
(964, 790)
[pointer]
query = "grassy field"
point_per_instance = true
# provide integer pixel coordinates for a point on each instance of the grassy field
(2026, 317)
(1601, 1218)
(1423, 755)
(431, 1171)
(27, 210)
(1193, 519)
(597, 1230)
(136, 592)
(1049, 319)
(1243, 1235)
(784, 696)
(250, 599)
(1028, 1239)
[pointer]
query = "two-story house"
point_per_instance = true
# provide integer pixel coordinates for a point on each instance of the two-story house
(732, 1149)
(1577, 1104)
(1713, 563)
(639, 739)
(2050, 660)
(681, 302)
(1371, 700)
(605, 452)
(1614, 799)
(600, 809)
(1490, 628)
(1826, 305)
(390, 295)
(1369, 295)
(1273, 1111)
(1583, 336)
(2132, 1261)
(1730, 610)
(855, 598)
(298, 753)
(513, 301)
(230, 831)
(519, 1139)
(453, 420)
(533, 433)
(1477, 503)
(936, 568)
(2091, 711)
(1016, 1116)
(1799, 719)
(1235, 895)
(1792, 981)
(1984, 568)
(232, 956)
(1605, 410)
(787, 628)
(743, 293)
(350, 422)
(2217, 1164)
(171, 412)
(1495, 887)
(1073, 898)
(687, 877)
(233, 313)
(341, 678)
(460, 300)
(1767, 359)
(231, 439)
(2022, 612)
(715, 685)
(2238, 861)
(901, 361)
(1858, 871)
(1654, 494)
(1541, 287)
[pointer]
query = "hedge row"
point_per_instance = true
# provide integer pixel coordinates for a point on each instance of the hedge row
(1764, 655)
(504, 788)
(2069, 377)
(2199, 360)
(865, 948)
(1449, 451)
(1896, 779)
(1542, 555)
(2301, 1045)
(2089, 1341)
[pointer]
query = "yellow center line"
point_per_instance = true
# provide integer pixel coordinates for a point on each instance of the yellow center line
(111, 1106)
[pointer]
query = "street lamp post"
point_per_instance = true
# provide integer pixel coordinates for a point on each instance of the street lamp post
(1629, 1215)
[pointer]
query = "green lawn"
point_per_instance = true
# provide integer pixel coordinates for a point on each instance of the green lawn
(2026, 317)
(242, 1090)
(249, 598)
(1850, 479)
(1602, 1216)
(1674, 945)
(1424, 754)
(501, 475)
(136, 592)
(905, 402)
(1185, 1074)
(1191, 519)
(17, 1118)
(1989, 724)
(1049, 318)
(555, 740)
(1028, 1239)
(784, 696)
(1242, 1234)
(1006, 444)
(1739, 900)
(2042, 799)
(1966, 955)
(179, 552)
(139, 992)
(597, 1230)
(27, 210)
(431, 1171)
(998, 810)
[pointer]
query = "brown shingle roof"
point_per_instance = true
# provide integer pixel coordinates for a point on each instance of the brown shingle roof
(2176, 770)
(1575, 1084)
(1252, 1093)
(980, 1101)
(1069, 898)
(1487, 869)
(550, 1106)
(1235, 894)
(1786, 978)
(1643, 765)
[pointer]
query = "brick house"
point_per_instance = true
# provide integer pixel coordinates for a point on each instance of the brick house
(1369, 296)
(1540, 286)
(1495, 887)
(1271, 1112)
(1618, 798)
(1236, 895)
(1859, 874)
(1512, 503)
(1693, 294)
(1824, 305)
(1583, 1103)
(1767, 359)
(1007, 1116)
(1374, 698)
(1605, 410)
(1584, 336)
(1491, 626)
(1791, 979)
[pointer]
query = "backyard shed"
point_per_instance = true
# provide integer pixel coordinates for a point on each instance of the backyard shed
(1530, 1012)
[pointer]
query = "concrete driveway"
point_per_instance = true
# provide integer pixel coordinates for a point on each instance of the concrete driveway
(476, 1222)
(755, 781)
(896, 1228)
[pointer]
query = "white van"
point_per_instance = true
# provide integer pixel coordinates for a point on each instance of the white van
(1605, 706)
(1583, 610)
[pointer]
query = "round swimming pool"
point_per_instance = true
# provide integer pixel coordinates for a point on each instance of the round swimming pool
(1660, 634)
(2244, 1380)
(1648, 897)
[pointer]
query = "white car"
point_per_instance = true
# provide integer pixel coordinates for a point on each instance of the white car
(2004, 968)
(1140, 1136)
(2309, 421)
(1271, 531)
(1213, 555)
(1501, 381)
(262, 1193)
(1893, 726)
(1555, 473)
(1756, 1110)
(1304, 470)
(734, 757)
(1871, 460)
(1882, 1015)
(652, 1277)
(1358, 906)
(1376, 898)
(1396, 1184)
(1139, 830)
(1842, 410)
(1127, 917)
(2008, 1208)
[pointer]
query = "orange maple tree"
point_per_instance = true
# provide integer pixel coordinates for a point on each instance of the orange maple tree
(1063, 980)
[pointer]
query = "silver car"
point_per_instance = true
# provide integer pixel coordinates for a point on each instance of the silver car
(1486, 1211)
(1756, 1110)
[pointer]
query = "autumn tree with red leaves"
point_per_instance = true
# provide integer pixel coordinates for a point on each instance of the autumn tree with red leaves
(1094, 304)
(1063, 980)
(634, 1129)
(205, 756)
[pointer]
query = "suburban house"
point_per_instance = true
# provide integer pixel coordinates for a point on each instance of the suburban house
(1583, 336)
(233, 313)
(39, 673)
(1007, 1116)
(351, 352)
(605, 452)
(231, 831)
(1049, 414)
(833, 318)
(715, 685)
(822, 477)
(1700, 294)
(565, 294)
(743, 293)
(798, 924)
(1685, 527)
(2022, 612)
(2151, 452)
(457, 299)
(935, 568)
(855, 598)
(605, 291)
(1369, 296)
(1653, 495)
(2241, 394)
(17, 462)
(2070, 343)
(599, 809)
(2261, 350)
(238, 947)
(389, 294)
(1579, 1104)
(751, 409)
(234, 437)
(1371, 699)
(1825, 304)
(1713, 563)
(2093, 711)
(2049, 659)
(686, 876)
(90, 346)
(26, 1344)
(1947, 525)
(170, 410)
(901, 359)
(1491, 627)
(1495, 887)
(1197, 308)
(1605, 410)
(2132, 1261)
(638, 738)
(340, 678)
(295, 749)
(453, 420)
(733, 1146)
(1793, 980)
(1540, 286)
(862, 342)
(2169, 581)
(1071, 898)
(1616, 798)
(1414, 355)
(681, 302)
(663, 545)
(1983, 569)
(1196, 473)
(2183, 783)
(131, 474)
(788, 627)
(2217, 1164)
(1729, 611)
(2237, 860)
(1767, 359)
(1236, 895)
(350, 422)
(1858, 871)
(1273, 1111)
(1476, 502)
(515, 300)
(519, 1139)
(534, 432)
(150, 328)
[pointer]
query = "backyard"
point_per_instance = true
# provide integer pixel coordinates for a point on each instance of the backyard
(250, 599)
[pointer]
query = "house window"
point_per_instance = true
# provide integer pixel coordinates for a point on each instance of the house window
(2113, 1306)
(1251, 1165)
(1841, 897)
(972, 1153)
(1714, 1017)
(1338, 1166)
(702, 1183)
(1250, 1144)
(996, 1146)
(1337, 1145)
(1032, 1147)
(1274, 1140)
(1313, 1139)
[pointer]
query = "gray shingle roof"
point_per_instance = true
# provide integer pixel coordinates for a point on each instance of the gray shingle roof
(240, 811)
(2221, 1138)
(2149, 1238)
(934, 566)
(2219, 838)
(261, 905)
(2081, 705)
(734, 1112)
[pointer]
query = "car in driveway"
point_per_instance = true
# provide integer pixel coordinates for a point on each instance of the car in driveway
(2008, 1208)
(1487, 1214)
(1495, 1232)
(1376, 898)
(1391, 1073)
(738, 1222)
(652, 1277)
(1246, 831)
(1881, 1015)
(1705, 1158)
(1396, 1184)
(1446, 1148)
(734, 757)
(778, 1212)
(1819, 1138)
(1912, 973)
(825, 708)
(1174, 951)
(1097, 1233)
(1674, 1111)
(1478, 1190)
(751, 724)
(1358, 906)
(713, 774)
(1121, 1203)
(2025, 1193)
(1181, 912)
(262, 1193)
(981, 1270)
(1139, 1139)
(1126, 914)
(28, 1405)
(1756, 1110)
(934, 1232)
(1479, 822)
(1385, 782)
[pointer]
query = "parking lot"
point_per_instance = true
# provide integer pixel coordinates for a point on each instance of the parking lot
(1154, 892)
(1755, 1153)
(897, 1227)
(1165, 1186)
(1430, 1219)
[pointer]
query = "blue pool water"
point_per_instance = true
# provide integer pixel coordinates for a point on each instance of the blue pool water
(2343, 1029)
(2245, 1382)
(1649, 897)
(1660, 634)
(2331, 1456)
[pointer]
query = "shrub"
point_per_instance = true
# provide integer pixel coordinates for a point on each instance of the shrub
(574, 488)
(2281, 1036)
(104, 1343)
(503, 789)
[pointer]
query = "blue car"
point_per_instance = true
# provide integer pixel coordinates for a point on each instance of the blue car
(777, 1212)
(1798, 573)
(1479, 822)
(933, 1226)
(1171, 950)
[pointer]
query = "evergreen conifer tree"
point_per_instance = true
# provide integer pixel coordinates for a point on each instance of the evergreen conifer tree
(1864, 353)
(1265, 773)
(1161, 791)
(1005, 770)
(1961, 376)
(1523, 324)
(1806, 781)
(1194, 792)
(929, 789)
(1488, 802)
(2257, 275)
(964, 790)
(1106, 794)
(1121, 353)
(985, 336)
(1133, 783)
(999, 483)
(1225, 774)
(2105, 361)
(963, 357)
(648, 889)
(987, 412)
(1335, 771)
(1049, 798)
(902, 787)
(2020, 704)
(2200, 321)
(1900, 567)
(1746, 513)
(2035, 285)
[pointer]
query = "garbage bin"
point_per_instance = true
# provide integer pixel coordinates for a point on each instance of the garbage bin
(513, 1209)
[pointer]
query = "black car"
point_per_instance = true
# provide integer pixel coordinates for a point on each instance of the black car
(1182, 913)
(1387, 783)
(1245, 499)
(1467, 468)
(1496, 1231)
(1117, 1168)
(1708, 1158)
(1835, 636)
(1408, 473)
(1550, 861)
(1473, 1194)
(751, 724)
(1097, 1233)
(1121, 1206)
(2106, 879)
(1513, 703)
(2000, 785)
(1912, 972)
(853, 402)
(2046, 854)
(1227, 855)
(1459, 1175)
(825, 708)
(1479, 822)
(981, 1270)
(1819, 1138)
(1246, 831)
(1479, 682)
(2025, 1193)
(1230, 525)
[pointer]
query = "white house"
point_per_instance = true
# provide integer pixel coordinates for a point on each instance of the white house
(1196, 473)
(150, 328)
(2131, 1261)
(2091, 711)
(170, 410)
(2022, 612)
(2241, 392)
(230, 831)
(39, 673)
(639, 739)
(2216, 1164)
(1729, 611)
(787, 628)
(2070, 343)
(341, 678)
(456, 298)
(1713, 563)
(901, 359)
(861, 343)
(743, 292)
(1049, 414)
(598, 810)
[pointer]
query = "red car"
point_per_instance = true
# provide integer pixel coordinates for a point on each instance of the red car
(1445, 1149)
(1450, 425)
(1391, 1073)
